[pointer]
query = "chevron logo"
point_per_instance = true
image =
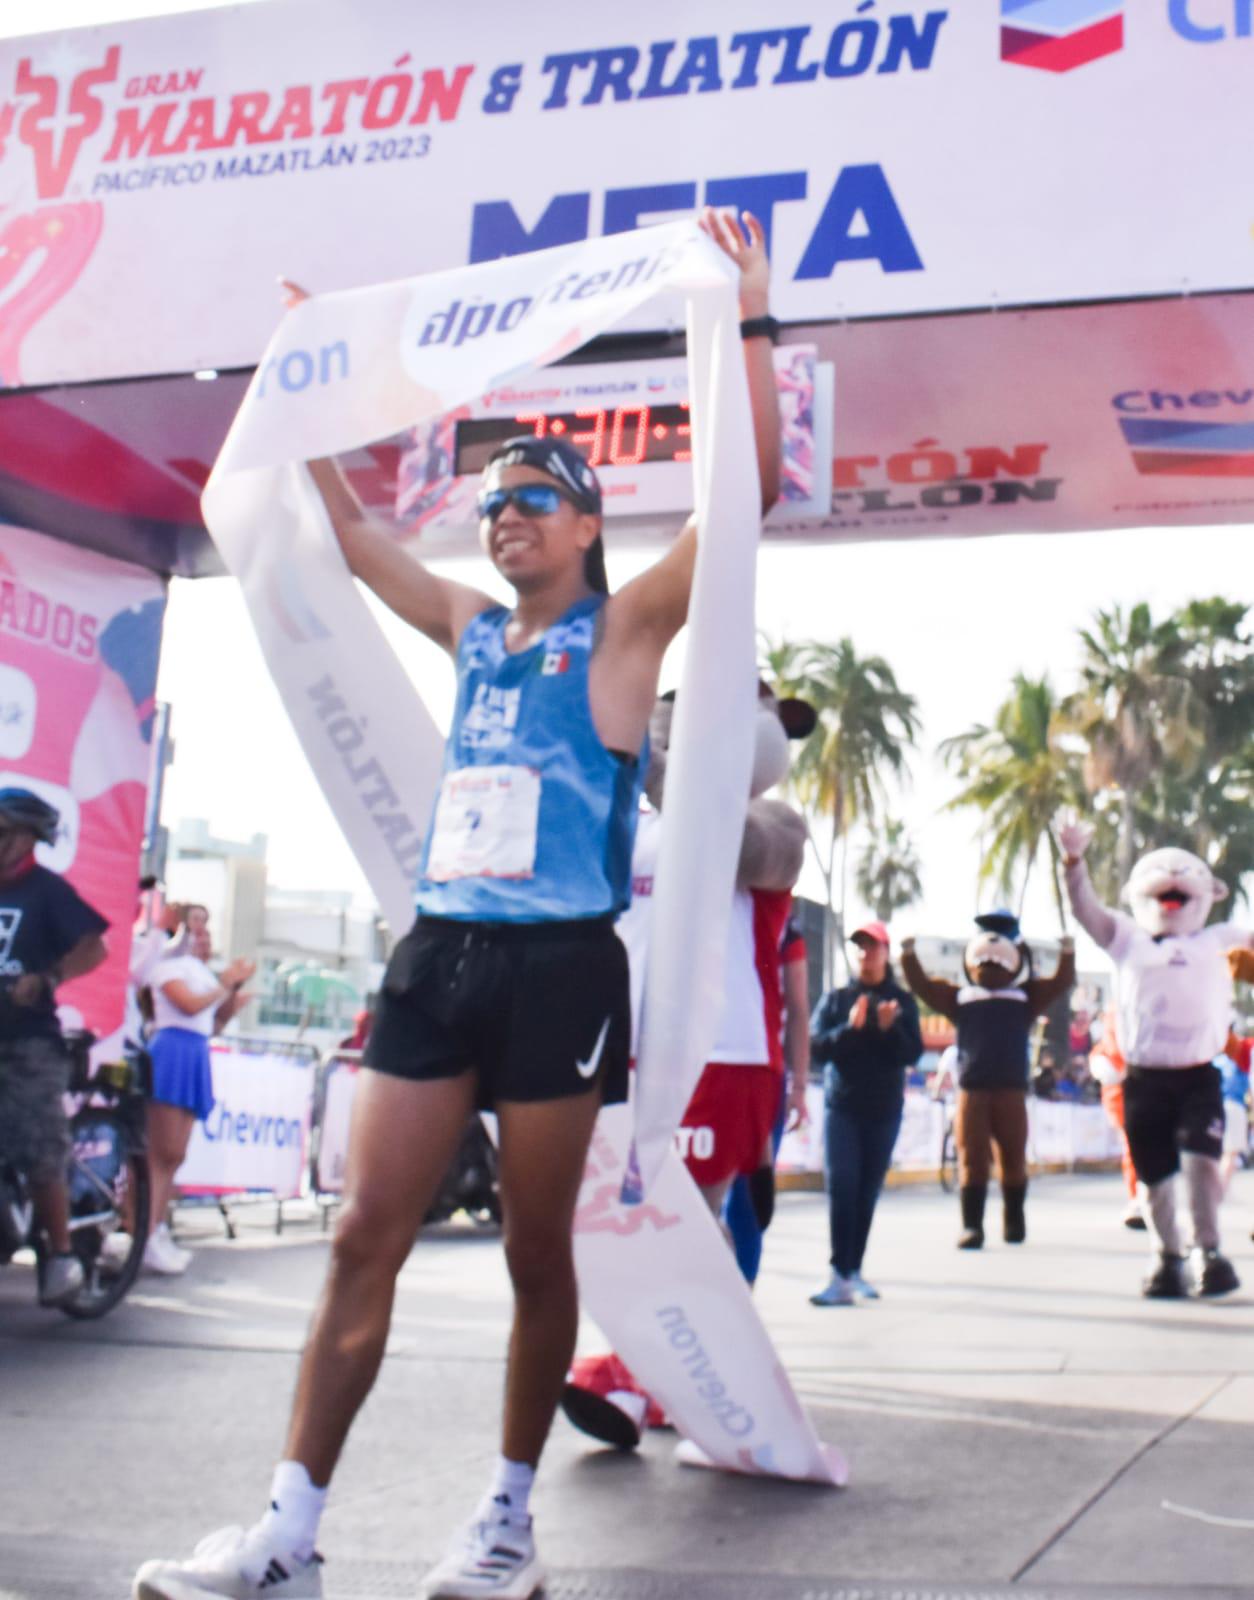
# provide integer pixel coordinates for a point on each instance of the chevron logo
(1060, 35)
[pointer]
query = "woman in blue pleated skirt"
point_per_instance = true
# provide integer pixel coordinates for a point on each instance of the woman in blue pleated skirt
(189, 1005)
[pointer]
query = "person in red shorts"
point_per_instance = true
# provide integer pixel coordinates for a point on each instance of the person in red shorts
(727, 1129)
(786, 993)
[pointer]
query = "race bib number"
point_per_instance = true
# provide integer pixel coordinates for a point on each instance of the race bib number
(485, 824)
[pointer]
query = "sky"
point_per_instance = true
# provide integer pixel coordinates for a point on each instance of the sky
(956, 619)
(49, 16)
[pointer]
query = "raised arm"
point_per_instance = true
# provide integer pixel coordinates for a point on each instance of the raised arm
(935, 992)
(656, 602)
(1042, 992)
(1075, 837)
(438, 607)
(1241, 962)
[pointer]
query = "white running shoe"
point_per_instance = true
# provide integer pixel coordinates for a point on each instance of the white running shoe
(839, 1292)
(163, 1256)
(115, 1250)
(60, 1280)
(232, 1564)
(493, 1558)
(863, 1289)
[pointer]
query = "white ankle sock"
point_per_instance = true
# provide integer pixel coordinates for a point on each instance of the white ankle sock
(296, 1505)
(511, 1488)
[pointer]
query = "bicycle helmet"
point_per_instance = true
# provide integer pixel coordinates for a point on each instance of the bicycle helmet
(19, 808)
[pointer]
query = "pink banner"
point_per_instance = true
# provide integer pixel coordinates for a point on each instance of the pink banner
(79, 639)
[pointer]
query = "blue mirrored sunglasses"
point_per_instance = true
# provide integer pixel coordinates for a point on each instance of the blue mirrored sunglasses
(532, 499)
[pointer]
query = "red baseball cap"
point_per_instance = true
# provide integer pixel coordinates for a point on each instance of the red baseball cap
(875, 931)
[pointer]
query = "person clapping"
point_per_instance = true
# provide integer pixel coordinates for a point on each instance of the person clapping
(190, 1005)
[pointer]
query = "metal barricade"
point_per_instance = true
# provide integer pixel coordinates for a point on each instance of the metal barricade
(255, 1142)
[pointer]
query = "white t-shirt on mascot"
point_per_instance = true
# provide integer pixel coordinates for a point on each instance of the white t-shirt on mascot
(742, 1026)
(1173, 987)
(1175, 994)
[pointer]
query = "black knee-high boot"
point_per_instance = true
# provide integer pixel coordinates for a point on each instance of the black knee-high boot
(972, 1197)
(1014, 1223)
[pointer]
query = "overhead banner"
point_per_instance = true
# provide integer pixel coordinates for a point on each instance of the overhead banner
(79, 639)
(155, 175)
(398, 357)
(1070, 418)
(1084, 417)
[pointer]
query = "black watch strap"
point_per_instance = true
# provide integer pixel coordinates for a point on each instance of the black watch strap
(760, 328)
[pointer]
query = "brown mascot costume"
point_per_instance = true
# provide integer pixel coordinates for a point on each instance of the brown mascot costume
(993, 1013)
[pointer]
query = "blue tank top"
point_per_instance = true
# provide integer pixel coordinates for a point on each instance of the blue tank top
(518, 717)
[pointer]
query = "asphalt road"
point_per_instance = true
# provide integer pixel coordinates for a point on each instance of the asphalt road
(1019, 1422)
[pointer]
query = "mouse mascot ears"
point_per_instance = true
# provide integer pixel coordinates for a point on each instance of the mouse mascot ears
(1000, 921)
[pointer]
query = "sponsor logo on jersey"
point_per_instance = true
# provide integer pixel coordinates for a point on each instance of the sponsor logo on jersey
(491, 717)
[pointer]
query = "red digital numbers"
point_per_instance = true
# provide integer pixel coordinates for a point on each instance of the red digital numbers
(682, 431)
(620, 457)
(619, 438)
(593, 441)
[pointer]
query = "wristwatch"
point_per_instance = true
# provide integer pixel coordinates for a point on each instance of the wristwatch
(760, 328)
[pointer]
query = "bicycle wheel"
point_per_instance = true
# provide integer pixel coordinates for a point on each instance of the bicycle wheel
(949, 1161)
(109, 1193)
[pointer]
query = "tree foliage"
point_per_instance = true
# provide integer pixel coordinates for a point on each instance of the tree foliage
(888, 875)
(1157, 740)
(1018, 772)
(843, 772)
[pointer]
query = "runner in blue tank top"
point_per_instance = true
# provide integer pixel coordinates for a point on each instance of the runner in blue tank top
(511, 989)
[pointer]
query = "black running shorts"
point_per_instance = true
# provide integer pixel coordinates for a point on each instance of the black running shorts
(1169, 1109)
(540, 1011)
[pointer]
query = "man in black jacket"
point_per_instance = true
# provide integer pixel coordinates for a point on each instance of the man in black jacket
(866, 1034)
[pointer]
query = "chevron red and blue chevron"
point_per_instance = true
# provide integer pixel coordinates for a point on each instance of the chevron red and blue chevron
(1059, 35)
(1190, 449)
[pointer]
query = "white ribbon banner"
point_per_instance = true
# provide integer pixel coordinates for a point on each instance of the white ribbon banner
(348, 369)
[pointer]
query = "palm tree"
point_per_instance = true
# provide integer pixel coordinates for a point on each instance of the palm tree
(866, 723)
(1137, 709)
(1017, 772)
(887, 875)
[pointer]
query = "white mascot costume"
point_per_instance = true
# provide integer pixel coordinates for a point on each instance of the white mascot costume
(1173, 994)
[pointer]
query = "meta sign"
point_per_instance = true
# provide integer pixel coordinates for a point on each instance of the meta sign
(904, 156)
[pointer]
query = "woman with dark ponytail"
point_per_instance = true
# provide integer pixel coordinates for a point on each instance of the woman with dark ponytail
(511, 989)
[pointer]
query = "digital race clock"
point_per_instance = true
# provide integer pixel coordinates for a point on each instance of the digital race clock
(630, 420)
(627, 436)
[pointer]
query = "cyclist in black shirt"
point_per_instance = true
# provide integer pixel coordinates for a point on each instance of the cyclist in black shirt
(48, 934)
